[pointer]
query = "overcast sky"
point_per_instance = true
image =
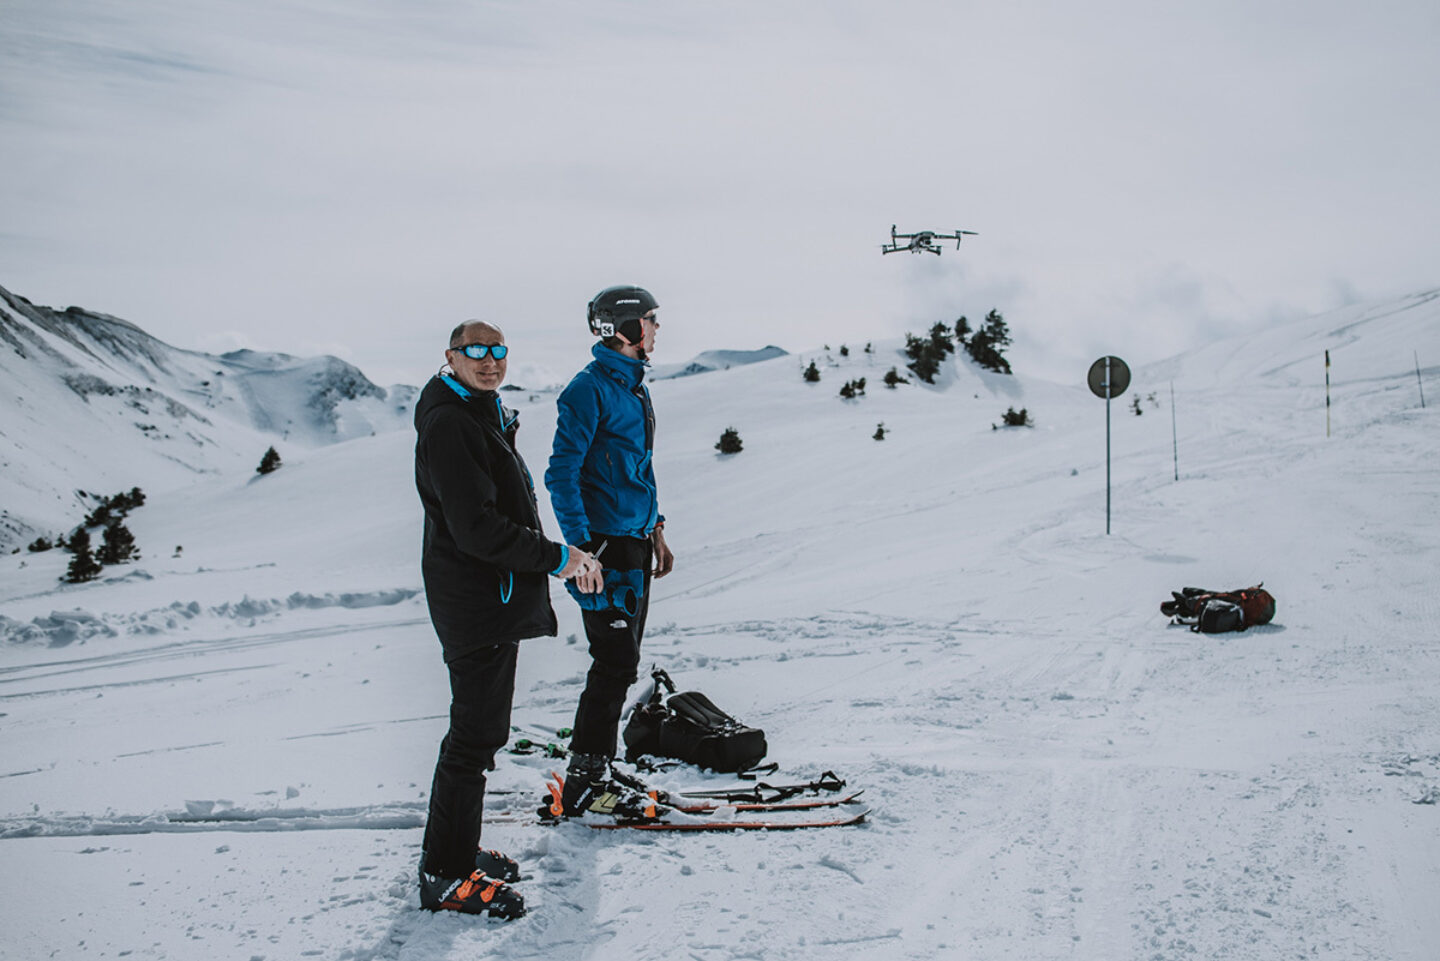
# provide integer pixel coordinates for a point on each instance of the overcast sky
(357, 176)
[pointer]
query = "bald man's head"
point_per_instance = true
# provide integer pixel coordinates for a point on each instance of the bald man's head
(477, 369)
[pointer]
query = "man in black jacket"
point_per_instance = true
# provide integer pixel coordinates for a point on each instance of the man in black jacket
(485, 565)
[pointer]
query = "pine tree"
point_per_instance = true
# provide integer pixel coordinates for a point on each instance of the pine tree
(844, 351)
(962, 330)
(924, 359)
(83, 566)
(988, 342)
(848, 391)
(1014, 418)
(269, 463)
(126, 501)
(940, 341)
(100, 515)
(729, 442)
(812, 374)
(118, 544)
(892, 377)
(41, 543)
(879, 431)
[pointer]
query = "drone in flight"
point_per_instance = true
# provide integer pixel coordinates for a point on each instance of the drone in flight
(923, 240)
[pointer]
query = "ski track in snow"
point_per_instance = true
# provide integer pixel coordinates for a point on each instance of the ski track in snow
(1054, 772)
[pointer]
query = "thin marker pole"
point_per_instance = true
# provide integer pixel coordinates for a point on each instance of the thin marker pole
(1327, 393)
(1174, 434)
(1418, 382)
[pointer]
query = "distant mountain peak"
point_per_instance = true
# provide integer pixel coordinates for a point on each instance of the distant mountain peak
(712, 360)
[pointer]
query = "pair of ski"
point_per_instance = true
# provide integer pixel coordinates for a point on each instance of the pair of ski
(705, 808)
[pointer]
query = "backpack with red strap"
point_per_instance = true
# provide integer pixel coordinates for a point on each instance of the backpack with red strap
(1214, 612)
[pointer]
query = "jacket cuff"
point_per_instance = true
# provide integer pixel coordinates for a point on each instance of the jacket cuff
(564, 559)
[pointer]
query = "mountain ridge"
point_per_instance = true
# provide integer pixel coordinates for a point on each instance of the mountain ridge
(82, 379)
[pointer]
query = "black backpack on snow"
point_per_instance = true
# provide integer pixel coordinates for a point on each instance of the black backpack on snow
(689, 727)
(1215, 612)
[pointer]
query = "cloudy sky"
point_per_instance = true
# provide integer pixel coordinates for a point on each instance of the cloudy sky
(356, 176)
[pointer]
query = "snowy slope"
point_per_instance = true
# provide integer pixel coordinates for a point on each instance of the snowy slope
(96, 404)
(710, 360)
(938, 616)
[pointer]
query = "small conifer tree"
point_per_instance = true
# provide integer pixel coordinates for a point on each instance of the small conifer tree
(1014, 418)
(812, 374)
(100, 515)
(892, 377)
(844, 351)
(847, 390)
(40, 544)
(987, 343)
(269, 463)
(924, 359)
(940, 341)
(83, 565)
(962, 330)
(879, 431)
(729, 442)
(117, 544)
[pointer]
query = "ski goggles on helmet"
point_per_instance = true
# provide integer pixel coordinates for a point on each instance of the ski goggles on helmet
(479, 351)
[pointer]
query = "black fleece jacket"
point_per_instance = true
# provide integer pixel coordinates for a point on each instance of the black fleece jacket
(486, 562)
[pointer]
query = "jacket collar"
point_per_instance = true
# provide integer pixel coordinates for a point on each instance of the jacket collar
(627, 370)
(486, 403)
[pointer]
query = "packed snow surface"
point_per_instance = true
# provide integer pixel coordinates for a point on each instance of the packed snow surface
(223, 750)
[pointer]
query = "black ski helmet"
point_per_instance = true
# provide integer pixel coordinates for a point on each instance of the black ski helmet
(617, 310)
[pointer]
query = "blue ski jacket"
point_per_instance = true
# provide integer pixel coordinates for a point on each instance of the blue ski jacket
(601, 479)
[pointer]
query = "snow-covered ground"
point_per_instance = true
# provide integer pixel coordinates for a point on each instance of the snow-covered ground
(939, 617)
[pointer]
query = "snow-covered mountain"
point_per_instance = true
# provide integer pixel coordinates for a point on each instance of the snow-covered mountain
(99, 405)
(711, 360)
(228, 748)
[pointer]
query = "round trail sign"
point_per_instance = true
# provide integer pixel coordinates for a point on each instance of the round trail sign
(1112, 385)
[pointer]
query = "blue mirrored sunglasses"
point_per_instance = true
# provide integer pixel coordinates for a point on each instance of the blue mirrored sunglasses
(478, 351)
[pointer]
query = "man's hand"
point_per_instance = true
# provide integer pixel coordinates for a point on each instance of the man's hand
(585, 570)
(664, 559)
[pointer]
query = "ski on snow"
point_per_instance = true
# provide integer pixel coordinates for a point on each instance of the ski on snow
(805, 804)
(716, 824)
(770, 793)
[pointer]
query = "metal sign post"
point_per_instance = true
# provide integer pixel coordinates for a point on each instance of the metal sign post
(1108, 377)
(1327, 393)
(1174, 433)
(1418, 382)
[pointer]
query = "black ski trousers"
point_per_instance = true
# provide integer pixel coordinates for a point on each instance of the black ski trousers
(614, 638)
(482, 687)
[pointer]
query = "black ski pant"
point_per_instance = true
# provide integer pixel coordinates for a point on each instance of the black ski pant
(614, 638)
(482, 687)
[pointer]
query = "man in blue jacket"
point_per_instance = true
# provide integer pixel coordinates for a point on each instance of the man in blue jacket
(602, 487)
